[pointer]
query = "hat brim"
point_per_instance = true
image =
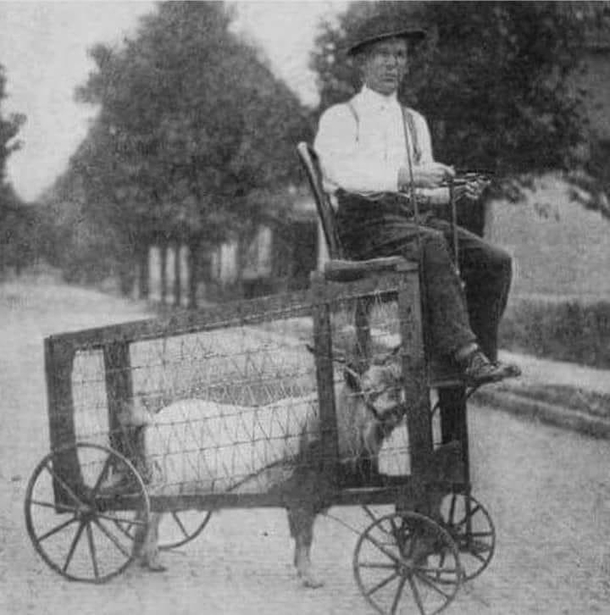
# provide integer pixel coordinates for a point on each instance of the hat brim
(414, 34)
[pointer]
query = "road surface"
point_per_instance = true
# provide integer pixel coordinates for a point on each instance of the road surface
(548, 492)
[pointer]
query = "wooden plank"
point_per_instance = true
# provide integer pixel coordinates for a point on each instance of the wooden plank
(415, 380)
(224, 315)
(322, 335)
(213, 501)
(454, 421)
(376, 285)
(362, 322)
(59, 361)
(230, 314)
(347, 270)
(119, 398)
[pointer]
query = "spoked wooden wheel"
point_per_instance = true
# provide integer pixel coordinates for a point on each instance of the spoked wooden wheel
(83, 505)
(406, 563)
(472, 529)
(178, 528)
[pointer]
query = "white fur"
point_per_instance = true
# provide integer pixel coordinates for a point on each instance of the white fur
(199, 446)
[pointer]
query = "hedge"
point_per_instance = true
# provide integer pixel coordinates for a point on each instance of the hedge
(564, 331)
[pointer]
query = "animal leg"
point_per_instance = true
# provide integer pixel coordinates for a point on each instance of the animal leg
(146, 545)
(301, 522)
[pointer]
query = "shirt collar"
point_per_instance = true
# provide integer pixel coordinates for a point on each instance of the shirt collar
(374, 100)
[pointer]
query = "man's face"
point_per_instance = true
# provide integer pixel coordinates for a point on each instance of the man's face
(384, 65)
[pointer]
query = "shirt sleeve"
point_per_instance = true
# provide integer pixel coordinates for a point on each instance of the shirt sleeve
(423, 137)
(433, 196)
(343, 163)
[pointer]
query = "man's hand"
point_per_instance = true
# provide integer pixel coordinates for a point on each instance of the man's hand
(471, 190)
(430, 175)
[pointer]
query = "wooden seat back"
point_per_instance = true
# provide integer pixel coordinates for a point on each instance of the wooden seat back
(311, 164)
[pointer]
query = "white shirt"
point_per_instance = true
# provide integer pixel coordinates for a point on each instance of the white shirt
(365, 156)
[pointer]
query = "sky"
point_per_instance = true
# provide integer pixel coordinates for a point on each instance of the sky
(43, 48)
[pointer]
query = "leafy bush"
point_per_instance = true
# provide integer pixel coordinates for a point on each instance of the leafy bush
(564, 331)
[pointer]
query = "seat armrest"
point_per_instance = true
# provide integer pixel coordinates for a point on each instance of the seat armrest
(339, 270)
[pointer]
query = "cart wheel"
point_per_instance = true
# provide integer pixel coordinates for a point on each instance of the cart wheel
(472, 529)
(83, 526)
(178, 528)
(406, 549)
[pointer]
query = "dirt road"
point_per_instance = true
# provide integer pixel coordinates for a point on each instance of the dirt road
(548, 492)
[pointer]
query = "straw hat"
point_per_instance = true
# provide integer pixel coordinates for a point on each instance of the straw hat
(381, 27)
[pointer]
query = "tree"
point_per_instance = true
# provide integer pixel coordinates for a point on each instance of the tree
(194, 134)
(493, 79)
(15, 247)
(196, 129)
(9, 128)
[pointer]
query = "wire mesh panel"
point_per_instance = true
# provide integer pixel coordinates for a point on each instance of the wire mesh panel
(237, 399)
(365, 331)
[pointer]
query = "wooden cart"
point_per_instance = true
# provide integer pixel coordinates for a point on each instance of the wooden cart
(252, 355)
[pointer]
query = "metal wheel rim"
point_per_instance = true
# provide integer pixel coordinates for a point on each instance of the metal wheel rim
(485, 533)
(419, 574)
(85, 528)
(188, 535)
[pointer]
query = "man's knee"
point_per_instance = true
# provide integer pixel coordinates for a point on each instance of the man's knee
(498, 262)
(504, 266)
(505, 260)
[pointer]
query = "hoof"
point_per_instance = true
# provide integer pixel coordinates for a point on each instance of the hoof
(153, 566)
(310, 581)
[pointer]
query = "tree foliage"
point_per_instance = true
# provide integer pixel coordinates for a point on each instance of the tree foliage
(493, 79)
(16, 220)
(194, 131)
(9, 129)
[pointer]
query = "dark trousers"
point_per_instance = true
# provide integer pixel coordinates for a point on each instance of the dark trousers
(456, 315)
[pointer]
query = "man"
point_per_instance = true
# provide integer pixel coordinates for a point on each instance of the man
(373, 154)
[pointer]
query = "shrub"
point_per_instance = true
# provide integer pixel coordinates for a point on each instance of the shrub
(564, 331)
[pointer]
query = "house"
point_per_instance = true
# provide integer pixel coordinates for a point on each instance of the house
(286, 248)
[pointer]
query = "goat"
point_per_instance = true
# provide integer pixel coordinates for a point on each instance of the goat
(368, 406)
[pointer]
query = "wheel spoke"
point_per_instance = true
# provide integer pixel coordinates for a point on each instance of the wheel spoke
(382, 584)
(75, 540)
(180, 524)
(469, 515)
(416, 595)
(56, 529)
(387, 533)
(395, 528)
(468, 535)
(482, 559)
(64, 485)
(381, 547)
(424, 579)
(112, 538)
(120, 520)
(96, 572)
(119, 525)
(58, 507)
(398, 594)
(377, 565)
(443, 555)
(101, 477)
(368, 511)
(452, 508)
(436, 571)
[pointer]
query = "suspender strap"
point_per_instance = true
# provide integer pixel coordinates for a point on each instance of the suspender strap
(408, 122)
(352, 108)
